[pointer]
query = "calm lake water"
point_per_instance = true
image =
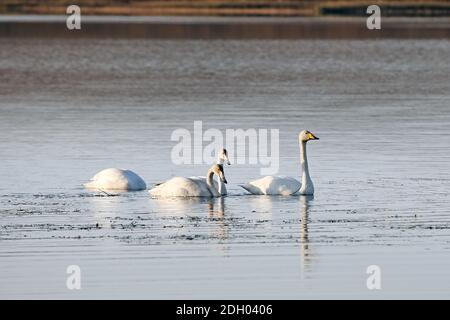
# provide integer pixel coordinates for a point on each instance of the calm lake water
(381, 169)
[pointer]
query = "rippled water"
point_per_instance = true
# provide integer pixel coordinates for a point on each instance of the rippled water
(381, 169)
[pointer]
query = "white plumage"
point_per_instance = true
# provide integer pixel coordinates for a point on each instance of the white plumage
(191, 187)
(280, 185)
(116, 179)
(273, 185)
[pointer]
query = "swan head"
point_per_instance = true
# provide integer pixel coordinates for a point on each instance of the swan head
(223, 157)
(306, 136)
(217, 169)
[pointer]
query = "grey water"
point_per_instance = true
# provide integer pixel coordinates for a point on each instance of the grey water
(381, 169)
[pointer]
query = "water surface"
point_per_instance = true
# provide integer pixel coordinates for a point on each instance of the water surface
(70, 107)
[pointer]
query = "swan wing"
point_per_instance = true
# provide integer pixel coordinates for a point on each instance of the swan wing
(202, 179)
(201, 183)
(180, 187)
(273, 185)
(252, 188)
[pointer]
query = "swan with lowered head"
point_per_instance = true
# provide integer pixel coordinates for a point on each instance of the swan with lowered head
(191, 187)
(276, 185)
(116, 179)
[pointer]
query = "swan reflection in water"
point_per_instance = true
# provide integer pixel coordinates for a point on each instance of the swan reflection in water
(179, 207)
(266, 208)
(214, 224)
(216, 214)
(305, 250)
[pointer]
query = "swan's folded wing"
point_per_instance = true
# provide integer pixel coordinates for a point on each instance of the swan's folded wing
(251, 188)
(180, 187)
(286, 186)
(273, 185)
(202, 181)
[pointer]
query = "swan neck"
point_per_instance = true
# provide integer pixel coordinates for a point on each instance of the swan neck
(210, 183)
(209, 178)
(304, 162)
(221, 186)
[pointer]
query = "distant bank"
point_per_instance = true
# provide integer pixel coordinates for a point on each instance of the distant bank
(54, 26)
(293, 8)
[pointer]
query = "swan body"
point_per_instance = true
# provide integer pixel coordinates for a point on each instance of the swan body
(181, 187)
(280, 185)
(191, 187)
(218, 185)
(273, 185)
(116, 179)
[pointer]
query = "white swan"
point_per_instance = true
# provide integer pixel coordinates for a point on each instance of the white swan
(222, 157)
(191, 187)
(275, 185)
(116, 179)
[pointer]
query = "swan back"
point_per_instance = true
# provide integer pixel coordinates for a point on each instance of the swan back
(181, 187)
(273, 185)
(220, 186)
(116, 179)
(191, 187)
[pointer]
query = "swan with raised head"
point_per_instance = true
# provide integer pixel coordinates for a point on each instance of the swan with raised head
(280, 185)
(191, 187)
(222, 158)
(116, 179)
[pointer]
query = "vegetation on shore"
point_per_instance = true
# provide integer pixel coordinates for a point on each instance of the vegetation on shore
(230, 7)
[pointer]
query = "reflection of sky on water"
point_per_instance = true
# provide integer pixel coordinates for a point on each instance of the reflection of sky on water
(380, 169)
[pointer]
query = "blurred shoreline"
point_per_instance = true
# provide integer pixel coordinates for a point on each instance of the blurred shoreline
(45, 26)
(280, 8)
